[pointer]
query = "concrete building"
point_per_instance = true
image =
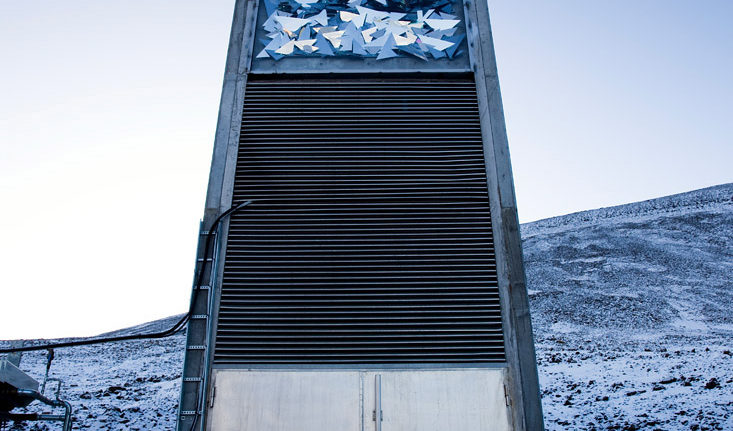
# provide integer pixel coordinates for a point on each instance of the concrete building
(376, 281)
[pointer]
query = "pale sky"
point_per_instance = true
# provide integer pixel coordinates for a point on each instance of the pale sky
(108, 111)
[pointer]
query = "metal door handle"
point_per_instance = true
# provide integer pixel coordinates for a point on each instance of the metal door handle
(378, 402)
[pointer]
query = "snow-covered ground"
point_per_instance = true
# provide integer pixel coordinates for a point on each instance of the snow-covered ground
(633, 313)
(131, 385)
(633, 316)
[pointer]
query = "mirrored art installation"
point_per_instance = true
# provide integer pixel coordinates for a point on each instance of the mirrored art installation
(381, 29)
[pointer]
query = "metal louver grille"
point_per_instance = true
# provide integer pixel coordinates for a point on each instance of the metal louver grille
(370, 240)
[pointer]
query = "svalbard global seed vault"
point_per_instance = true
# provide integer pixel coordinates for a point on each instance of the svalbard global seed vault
(370, 274)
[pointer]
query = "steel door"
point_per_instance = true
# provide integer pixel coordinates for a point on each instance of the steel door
(429, 400)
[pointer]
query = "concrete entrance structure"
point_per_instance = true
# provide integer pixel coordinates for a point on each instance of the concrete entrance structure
(225, 385)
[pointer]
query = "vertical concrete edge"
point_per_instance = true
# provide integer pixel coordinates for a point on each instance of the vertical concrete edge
(218, 196)
(226, 110)
(523, 377)
(230, 128)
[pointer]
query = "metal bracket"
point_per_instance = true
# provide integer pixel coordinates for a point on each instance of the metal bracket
(213, 395)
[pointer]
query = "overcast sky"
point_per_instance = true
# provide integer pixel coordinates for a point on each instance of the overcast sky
(108, 111)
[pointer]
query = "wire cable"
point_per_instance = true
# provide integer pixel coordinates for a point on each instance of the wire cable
(154, 335)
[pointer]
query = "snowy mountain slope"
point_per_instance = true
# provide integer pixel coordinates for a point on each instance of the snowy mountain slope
(715, 199)
(631, 308)
(635, 303)
(145, 328)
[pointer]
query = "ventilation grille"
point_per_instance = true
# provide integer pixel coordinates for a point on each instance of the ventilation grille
(370, 240)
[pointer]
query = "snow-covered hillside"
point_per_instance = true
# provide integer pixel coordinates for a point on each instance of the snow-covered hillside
(132, 385)
(633, 313)
(632, 309)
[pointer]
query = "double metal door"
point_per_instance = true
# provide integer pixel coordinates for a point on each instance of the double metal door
(384, 400)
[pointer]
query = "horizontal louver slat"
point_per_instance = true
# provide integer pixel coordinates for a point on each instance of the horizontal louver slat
(370, 238)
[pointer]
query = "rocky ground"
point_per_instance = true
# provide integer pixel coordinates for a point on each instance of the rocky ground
(631, 309)
(633, 314)
(132, 385)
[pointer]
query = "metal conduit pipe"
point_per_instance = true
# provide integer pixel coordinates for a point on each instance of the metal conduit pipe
(66, 417)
